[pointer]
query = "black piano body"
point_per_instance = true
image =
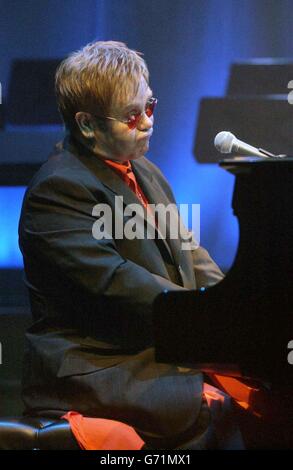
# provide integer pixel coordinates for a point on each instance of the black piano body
(244, 324)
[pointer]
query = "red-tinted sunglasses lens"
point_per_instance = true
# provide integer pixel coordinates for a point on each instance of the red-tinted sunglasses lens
(149, 111)
(134, 121)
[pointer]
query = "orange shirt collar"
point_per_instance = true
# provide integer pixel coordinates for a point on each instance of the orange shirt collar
(123, 167)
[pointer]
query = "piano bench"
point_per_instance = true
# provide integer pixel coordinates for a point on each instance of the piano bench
(26, 433)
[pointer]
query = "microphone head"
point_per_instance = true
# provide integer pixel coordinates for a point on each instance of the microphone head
(224, 141)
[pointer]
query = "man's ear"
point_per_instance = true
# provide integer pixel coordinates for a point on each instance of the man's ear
(85, 124)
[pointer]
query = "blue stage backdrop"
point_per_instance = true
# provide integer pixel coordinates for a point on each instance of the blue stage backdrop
(10, 203)
(189, 46)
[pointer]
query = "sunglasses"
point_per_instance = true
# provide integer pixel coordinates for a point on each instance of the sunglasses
(133, 120)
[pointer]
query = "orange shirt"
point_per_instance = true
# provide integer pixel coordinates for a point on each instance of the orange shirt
(124, 170)
(102, 434)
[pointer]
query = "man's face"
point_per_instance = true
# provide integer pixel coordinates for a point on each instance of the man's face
(119, 142)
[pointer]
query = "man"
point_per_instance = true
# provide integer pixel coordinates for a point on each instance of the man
(90, 347)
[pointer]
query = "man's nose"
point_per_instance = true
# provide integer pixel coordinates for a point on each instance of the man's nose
(145, 122)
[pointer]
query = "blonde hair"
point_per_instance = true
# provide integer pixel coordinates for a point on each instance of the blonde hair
(91, 78)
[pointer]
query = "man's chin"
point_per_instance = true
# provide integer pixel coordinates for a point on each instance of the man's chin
(139, 153)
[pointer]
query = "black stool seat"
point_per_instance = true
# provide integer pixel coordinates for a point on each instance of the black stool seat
(27, 433)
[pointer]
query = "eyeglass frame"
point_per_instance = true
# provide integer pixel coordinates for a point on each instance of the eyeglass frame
(134, 123)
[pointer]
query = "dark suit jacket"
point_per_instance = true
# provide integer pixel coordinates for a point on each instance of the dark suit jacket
(90, 347)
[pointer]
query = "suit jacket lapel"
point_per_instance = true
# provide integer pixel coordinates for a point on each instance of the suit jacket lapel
(155, 195)
(113, 182)
(105, 174)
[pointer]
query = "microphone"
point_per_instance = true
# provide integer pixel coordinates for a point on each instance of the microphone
(226, 142)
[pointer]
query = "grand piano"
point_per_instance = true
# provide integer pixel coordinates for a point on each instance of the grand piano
(242, 326)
